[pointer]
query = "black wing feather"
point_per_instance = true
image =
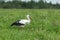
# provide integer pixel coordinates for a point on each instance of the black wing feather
(17, 23)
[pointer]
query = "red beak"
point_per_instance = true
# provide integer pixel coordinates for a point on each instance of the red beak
(30, 17)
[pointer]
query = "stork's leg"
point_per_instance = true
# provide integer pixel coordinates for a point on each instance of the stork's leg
(22, 26)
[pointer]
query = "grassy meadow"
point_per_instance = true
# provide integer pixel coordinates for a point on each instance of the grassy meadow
(45, 24)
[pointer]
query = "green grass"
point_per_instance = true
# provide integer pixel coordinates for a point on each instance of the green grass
(45, 24)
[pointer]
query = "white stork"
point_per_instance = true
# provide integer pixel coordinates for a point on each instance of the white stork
(22, 22)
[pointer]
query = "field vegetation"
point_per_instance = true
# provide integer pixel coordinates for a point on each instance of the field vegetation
(45, 24)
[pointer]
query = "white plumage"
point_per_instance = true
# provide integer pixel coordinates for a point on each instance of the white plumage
(22, 21)
(25, 21)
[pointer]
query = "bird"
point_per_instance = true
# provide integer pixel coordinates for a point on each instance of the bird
(22, 22)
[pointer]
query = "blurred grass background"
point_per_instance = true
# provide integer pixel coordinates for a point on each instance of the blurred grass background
(45, 24)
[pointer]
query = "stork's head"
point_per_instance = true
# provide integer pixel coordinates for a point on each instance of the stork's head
(28, 16)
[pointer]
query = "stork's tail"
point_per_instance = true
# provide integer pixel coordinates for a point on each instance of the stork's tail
(12, 24)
